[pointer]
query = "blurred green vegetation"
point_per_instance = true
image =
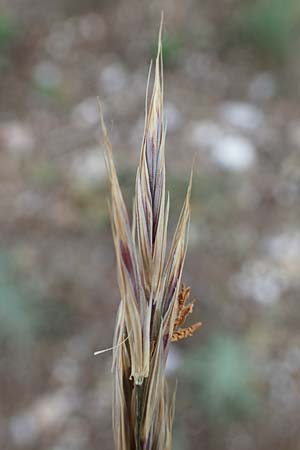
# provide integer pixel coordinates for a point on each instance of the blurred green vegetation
(209, 196)
(20, 317)
(171, 47)
(221, 380)
(8, 30)
(91, 204)
(8, 36)
(50, 93)
(72, 7)
(180, 441)
(27, 315)
(270, 27)
(44, 174)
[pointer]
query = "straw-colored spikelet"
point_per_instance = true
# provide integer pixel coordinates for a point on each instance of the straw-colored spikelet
(153, 304)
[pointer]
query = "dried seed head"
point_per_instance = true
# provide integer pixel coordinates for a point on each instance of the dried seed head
(152, 307)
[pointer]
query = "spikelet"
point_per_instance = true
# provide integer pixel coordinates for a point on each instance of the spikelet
(150, 211)
(153, 306)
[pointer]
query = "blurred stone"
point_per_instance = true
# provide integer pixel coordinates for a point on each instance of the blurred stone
(205, 134)
(125, 102)
(248, 196)
(60, 40)
(79, 346)
(88, 167)
(261, 281)
(75, 436)
(265, 280)
(23, 429)
(92, 27)
(242, 115)
(287, 190)
(238, 439)
(16, 138)
(136, 133)
(262, 87)
(293, 360)
(285, 245)
(194, 234)
(174, 361)
(98, 399)
(173, 117)
(229, 151)
(47, 75)
(86, 113)
(28, 204)
(46, 414)
(285, 249)
(201, 67)
(294, 133)
(197, 65)
(283, 376)
(56, 447)
(244, 239)
(235, 153)
(113, 78)
(66, 370)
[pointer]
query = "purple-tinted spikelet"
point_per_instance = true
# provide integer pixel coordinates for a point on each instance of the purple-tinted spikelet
(152, 307)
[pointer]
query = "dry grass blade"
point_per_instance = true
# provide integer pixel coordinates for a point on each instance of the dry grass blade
(152, 308)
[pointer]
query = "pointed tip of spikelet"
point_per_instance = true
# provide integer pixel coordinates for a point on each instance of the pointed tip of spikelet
(152, 308)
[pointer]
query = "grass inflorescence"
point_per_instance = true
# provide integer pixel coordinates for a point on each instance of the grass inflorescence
(153, 306)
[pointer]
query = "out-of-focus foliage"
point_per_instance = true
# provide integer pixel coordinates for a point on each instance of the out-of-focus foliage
(7, 31)
(221, 378)
(44, 174)
(19, 315)
(270, 27)
(25, 315)
(171, 49)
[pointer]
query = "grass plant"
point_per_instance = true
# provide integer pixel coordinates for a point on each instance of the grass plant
(270, 27)
(154, 303)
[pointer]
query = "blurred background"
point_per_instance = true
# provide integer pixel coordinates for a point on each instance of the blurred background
(232, 97)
